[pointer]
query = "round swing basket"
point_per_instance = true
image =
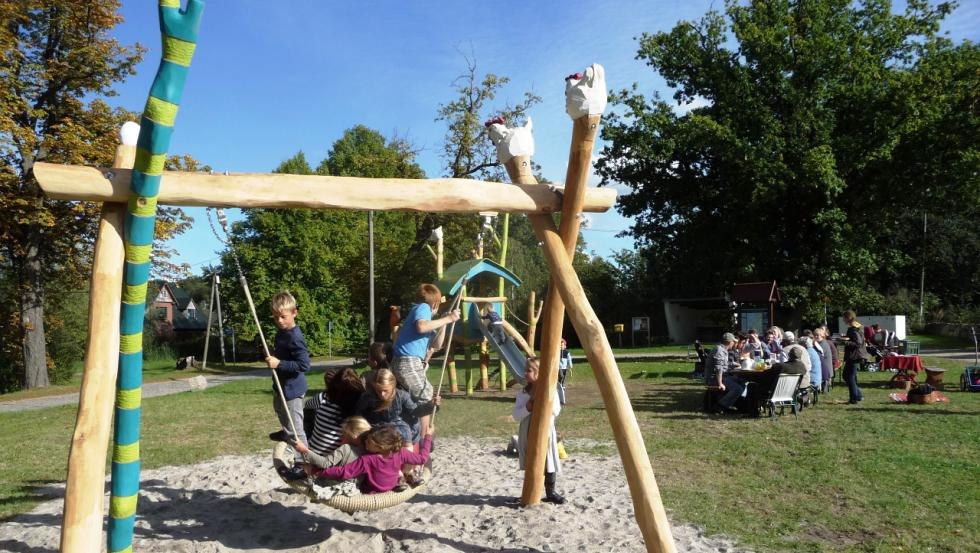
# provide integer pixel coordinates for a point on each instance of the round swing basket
(282, 456)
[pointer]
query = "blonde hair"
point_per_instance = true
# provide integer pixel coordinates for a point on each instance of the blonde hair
(283, 301)
(354, 427)
(384, 377)
(532, 366)
(430, 294)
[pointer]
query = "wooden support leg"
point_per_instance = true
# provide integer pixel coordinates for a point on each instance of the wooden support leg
(519, 169)
(484, 367)
(81, 528)
(453, 384)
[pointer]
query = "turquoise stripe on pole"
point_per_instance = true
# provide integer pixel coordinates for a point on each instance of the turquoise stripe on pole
(179, 30)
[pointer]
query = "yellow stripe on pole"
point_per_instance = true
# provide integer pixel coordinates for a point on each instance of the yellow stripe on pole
(149, 163)
(129, 399)
(142, 206)
(161, 111)
(131, 343)
(178, 51)
(123, 507)
(134, 293)
(127, 549)
(137, 255)
(170, 3)
(126, 453)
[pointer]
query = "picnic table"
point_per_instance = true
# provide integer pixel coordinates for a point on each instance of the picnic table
(907, 366)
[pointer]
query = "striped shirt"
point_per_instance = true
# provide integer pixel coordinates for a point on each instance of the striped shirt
(327, 434)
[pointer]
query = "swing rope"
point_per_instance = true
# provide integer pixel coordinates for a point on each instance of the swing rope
(223, 221)
(449, 341)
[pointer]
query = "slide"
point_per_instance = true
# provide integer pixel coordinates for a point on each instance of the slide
(509, 351)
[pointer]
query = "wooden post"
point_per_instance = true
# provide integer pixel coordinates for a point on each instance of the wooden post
(647, 504)
(501, 284)
(221, 321)
(484, 366)
(532, 318)
(207, 333)
(453, 383)
(82, 525)
(519, 168)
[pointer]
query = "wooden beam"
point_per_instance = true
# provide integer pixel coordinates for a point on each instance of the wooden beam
(647, 504)
(84, 490)
(270, 190)
(485, 299)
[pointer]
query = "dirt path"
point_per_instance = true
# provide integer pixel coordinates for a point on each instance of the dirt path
(154, 389)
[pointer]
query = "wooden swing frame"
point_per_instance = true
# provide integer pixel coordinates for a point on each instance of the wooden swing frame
(84, 493)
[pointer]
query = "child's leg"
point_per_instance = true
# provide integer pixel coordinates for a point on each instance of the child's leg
(550, 495)
(294, 410)
(410, 374)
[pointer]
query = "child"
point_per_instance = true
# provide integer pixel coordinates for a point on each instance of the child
(381, 467)
(522, 412)
(564, 365)
(332, 407)
(412, 345)
(377, 359)
(290, 359)
(353, 431)
(496, 324)
(382, 404)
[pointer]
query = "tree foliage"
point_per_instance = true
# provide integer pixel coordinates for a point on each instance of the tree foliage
(57, 63)
(802, 134)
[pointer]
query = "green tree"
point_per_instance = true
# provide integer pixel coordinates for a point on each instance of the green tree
(54, 55)
(813, 132)
(321, 255)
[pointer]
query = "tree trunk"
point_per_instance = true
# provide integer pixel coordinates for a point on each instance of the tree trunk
(32, 315)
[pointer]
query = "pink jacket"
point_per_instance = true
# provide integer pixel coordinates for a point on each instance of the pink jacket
(380, 473)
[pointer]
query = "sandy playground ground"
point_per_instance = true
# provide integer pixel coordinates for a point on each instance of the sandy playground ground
(237, 503)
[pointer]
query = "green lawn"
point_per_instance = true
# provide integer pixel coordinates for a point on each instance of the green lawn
(942, 342)
(876, 477)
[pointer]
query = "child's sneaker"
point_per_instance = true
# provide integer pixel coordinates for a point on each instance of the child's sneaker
(278, 436)
(292, 474)
(551, 496)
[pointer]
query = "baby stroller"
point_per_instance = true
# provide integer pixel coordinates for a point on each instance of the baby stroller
(970, 379)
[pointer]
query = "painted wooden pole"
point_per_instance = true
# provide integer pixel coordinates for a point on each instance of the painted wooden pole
(453, 383)
(501, 283)
(81, 528)
(647, 504)
(221, 320)
(179, 29)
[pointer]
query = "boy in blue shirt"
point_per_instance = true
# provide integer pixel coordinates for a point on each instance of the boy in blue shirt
(411, 347)
(290, 359)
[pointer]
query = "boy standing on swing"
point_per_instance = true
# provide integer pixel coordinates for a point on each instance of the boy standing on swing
(411, 347)
(290, 359)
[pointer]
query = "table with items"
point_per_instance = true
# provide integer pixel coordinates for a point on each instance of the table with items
(906, 367)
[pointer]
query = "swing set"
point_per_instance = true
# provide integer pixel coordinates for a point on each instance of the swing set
(131, 190)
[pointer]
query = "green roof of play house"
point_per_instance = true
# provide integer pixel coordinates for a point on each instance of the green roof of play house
(453, 277)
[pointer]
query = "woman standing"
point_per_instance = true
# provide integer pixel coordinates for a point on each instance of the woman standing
(853, 355)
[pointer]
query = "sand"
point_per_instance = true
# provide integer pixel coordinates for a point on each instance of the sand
(237, 503)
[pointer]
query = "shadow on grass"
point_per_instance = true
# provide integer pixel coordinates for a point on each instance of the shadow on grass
(241, 522)
(475, 397)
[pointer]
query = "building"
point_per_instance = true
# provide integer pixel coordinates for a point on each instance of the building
(173, 311)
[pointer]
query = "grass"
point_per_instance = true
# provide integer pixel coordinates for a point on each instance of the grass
(872, 478)
(942, 342)
(669, 348)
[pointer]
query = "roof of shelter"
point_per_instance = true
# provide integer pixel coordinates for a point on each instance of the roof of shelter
(755, 292)
(453, 277)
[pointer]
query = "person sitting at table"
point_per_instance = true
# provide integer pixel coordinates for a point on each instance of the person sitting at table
(773, 336)
(753, 345)
(794, 363)
(823, 347)
(789, 344)
(816, 367)
(719, 374)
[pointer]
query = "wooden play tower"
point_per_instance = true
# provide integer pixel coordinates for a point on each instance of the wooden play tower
(130, 192)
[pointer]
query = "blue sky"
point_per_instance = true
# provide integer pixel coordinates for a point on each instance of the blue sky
(271, 78)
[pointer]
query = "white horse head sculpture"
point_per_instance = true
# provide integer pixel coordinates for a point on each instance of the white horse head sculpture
(585, 93)
(510, 142)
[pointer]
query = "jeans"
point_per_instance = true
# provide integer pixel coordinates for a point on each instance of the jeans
(734, 388)
(296, 413)
(851, 378)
